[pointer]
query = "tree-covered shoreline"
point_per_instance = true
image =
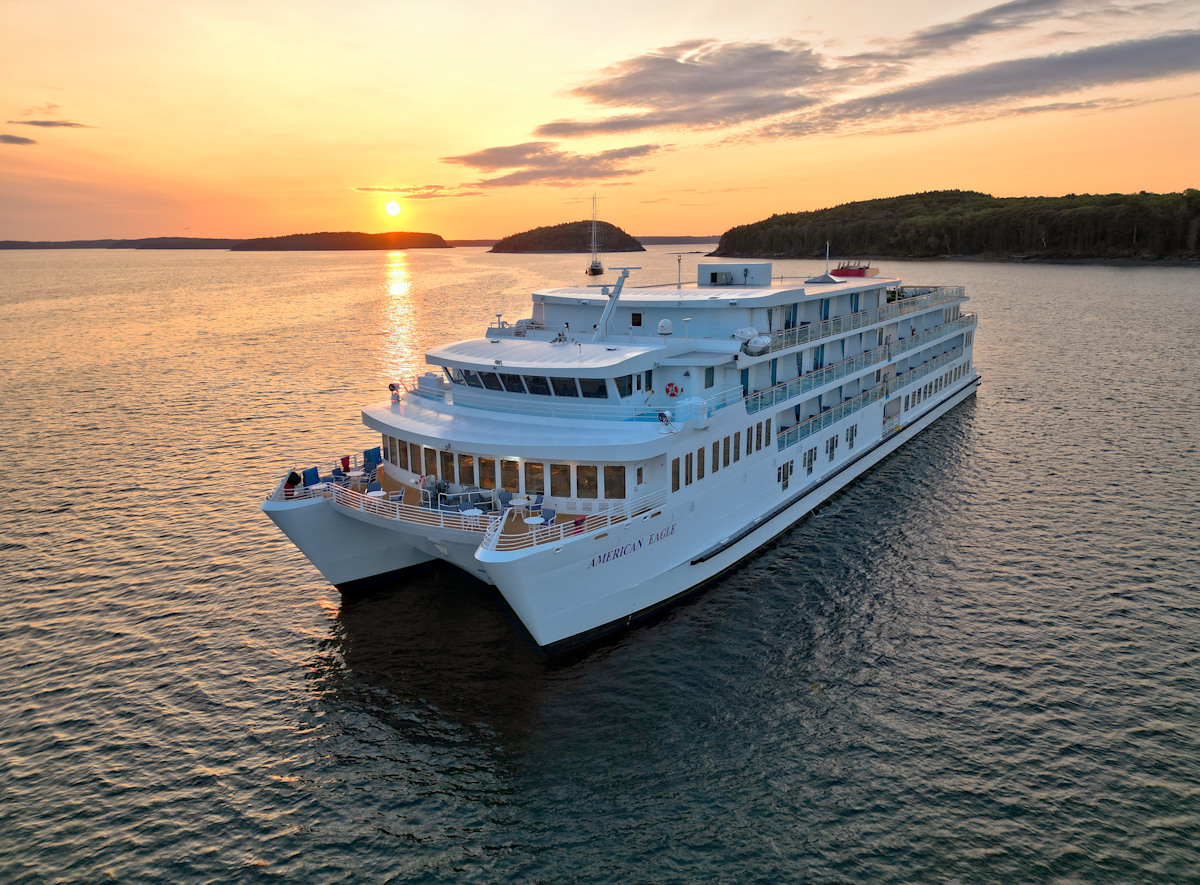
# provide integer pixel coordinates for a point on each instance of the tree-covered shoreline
(1125, 228)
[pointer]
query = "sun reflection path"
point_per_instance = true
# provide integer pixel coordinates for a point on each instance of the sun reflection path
(400, 354)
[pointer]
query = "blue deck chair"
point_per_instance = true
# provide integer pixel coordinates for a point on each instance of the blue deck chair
(339, 476)
(374, 487)
(548, 514)
(312, 476)
(504, 498)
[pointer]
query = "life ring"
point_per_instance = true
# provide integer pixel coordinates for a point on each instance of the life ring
(672, 389)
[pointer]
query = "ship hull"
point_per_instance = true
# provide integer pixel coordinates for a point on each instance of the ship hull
(587, 587)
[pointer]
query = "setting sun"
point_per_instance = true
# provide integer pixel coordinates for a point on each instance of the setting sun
(393, 208)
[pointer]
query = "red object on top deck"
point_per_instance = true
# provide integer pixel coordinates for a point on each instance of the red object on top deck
(855, 269)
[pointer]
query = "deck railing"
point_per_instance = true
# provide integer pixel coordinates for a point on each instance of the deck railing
(819, 377)
(831, 416)
(787, 338)
(497, 539)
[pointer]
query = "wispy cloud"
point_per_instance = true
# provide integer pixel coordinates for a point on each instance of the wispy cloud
(540, 162)
(52, 124)
(424, 191)
(996, 87)
(708, 84)
(15, 139)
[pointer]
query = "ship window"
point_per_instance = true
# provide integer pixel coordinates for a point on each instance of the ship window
(725, 455)
(430, 461)
(487, 473)
(510, 476)
(906, 402)
(851, 433)
(636, 322)
(535, 478)
(716, 455)
(758, 436)
(625, 385)
(767, 431)
(640, 476)
(700, 463)
(401, 454)
(448, 466)
(414, 457)
(490, 381)
(466, 469)
(471, 378)
(585, 481)
(560, 480)
(710, 377)
(749, 441)
(614, 481)
(593, 388)
(537, 384)
(810, 458)
(512, 383)
(649, 379)
(737, 447)
(564, 387)
(687, 469)
(674, 474)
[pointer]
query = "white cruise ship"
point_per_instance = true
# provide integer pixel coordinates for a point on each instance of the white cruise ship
(625, 444)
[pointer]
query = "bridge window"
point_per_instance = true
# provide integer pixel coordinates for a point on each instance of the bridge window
(625, 385)
(512, 383)
(471, 378)
(537, 384)
(564, 387)
(593, 388)
(490, 381)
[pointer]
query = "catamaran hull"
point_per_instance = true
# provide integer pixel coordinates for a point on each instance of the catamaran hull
(343, 549)
(574, 591)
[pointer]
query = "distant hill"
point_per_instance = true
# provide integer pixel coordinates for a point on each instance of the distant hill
(342, 240)
(147, 243)
(572, 236)
(1139, 226)
(490, 242)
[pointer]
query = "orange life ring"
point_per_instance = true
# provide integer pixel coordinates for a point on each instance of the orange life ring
(672, 389)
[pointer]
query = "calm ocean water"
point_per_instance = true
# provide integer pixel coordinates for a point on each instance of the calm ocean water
(980, 663)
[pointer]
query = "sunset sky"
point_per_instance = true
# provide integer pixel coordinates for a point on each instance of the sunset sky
(242, 118)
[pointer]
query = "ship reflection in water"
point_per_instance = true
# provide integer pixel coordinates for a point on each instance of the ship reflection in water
(435, 642)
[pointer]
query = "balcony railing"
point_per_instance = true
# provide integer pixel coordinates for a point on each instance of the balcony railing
(831, 416)
(820, 377)
(815, 331)
(497, 539)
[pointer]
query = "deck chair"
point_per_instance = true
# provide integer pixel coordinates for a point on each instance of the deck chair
(374, 487)
(312, 476)
(339, 476)
(548, 514)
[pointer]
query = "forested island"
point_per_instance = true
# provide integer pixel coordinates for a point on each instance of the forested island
(144, 243)
(342, 240)
(942, 224)
(571, 236)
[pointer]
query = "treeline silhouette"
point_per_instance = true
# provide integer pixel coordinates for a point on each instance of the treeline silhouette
(571, 236)
(341, 240)
(966, 223)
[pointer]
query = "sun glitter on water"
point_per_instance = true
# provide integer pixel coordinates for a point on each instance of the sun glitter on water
(393, 208)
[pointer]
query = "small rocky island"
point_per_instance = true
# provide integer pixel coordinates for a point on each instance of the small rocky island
(571, 236)
(347, 240)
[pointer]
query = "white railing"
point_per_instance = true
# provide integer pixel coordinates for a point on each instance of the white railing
(497, 539)
(794, 434)
(819, 377)
(849, 322)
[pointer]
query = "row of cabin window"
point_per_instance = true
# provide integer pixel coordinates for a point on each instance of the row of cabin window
(541, 385)
(724, 453)
(831, 447)
(469, 470)
(935, 385)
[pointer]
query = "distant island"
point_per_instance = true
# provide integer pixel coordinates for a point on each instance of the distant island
(342, 240)
(683, 241)
(571, 236)
(943, 224)
(318, 242)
